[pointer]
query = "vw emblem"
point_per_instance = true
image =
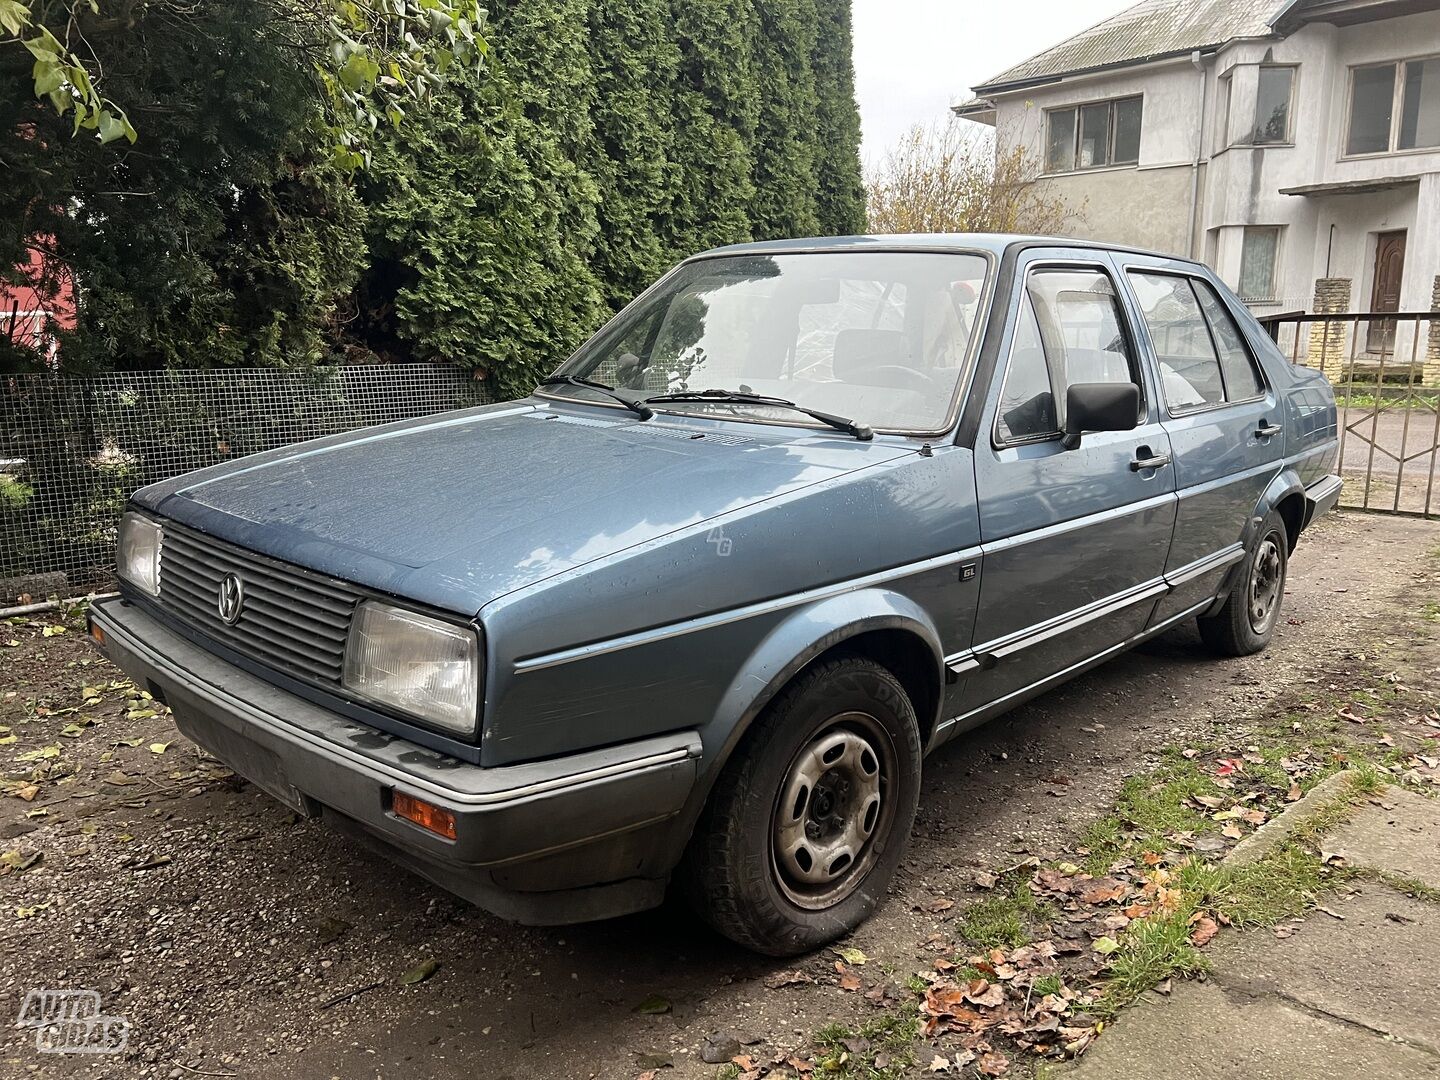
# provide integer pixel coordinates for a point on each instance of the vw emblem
(232, 599)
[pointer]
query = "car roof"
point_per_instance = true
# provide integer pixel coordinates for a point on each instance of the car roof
(994, 243)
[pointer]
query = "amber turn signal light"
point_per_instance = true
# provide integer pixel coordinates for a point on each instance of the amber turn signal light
(432, 818)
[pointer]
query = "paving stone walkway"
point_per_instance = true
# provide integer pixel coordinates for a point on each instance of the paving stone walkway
(1353, 991)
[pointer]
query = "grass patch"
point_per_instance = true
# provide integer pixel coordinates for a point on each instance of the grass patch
(1286, 882)
(1151, 951)
(1411, 886)
(880, 1049)
(1006, 919)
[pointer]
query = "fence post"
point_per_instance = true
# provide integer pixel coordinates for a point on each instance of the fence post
(1431, 373)
(1327, 339)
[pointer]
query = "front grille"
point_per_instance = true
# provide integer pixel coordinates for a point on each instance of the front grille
(290, 619)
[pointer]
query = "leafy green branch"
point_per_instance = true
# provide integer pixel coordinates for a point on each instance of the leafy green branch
(372, 59)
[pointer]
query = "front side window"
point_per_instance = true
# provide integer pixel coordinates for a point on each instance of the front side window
(1201, 353)
(1258, 252)
(880, 337)
(1272, 105)
(1381, 93)
(1093, 136)
(1070, 330)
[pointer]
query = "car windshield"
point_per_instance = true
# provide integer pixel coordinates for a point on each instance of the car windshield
(880, 337)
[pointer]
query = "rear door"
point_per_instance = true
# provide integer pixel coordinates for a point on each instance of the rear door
(1074, 541)
(1222, 418)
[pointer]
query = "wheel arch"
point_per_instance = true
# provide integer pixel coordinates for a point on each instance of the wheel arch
(1286, 496)
(880, 624)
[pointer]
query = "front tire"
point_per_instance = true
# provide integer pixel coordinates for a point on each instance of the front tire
(806, 825)
(1246, 623)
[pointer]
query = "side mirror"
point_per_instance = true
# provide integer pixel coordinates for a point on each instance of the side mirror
(1099, 407)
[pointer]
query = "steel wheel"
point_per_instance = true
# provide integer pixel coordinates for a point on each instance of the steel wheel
(831, 806)
(1266, 580)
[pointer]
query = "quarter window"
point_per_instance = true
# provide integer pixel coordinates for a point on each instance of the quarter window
(1070, 330)
(1381, 93)
(1242, 376)
(1202, 355)
(1093, 136)
(1272, 105)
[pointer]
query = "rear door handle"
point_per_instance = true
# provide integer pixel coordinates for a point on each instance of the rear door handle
(1265, 430)
(1145, 458)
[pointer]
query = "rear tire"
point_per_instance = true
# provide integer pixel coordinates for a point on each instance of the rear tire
(806, 825)
(1246, 623)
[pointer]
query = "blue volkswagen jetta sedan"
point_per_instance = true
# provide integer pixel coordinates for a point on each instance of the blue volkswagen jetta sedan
(699, 606)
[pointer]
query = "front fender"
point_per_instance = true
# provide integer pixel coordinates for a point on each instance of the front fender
(807, 633)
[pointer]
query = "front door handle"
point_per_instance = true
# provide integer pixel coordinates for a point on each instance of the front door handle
(1145, 458)
(1267, 429)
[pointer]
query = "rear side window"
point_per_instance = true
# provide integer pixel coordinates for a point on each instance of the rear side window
(1070, 330)
(1202, 355)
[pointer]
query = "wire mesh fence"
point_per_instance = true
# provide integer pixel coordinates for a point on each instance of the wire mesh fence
(73, 449)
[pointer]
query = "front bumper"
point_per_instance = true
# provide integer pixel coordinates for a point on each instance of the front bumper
(568, 839)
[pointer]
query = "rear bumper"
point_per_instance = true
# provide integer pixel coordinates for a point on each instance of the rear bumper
(564, 840)
(1321, 497)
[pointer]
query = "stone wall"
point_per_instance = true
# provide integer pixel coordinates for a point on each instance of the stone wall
(1329, 340)
(1431, 375)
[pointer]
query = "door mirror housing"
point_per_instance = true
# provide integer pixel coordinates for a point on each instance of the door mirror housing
(1099, 407)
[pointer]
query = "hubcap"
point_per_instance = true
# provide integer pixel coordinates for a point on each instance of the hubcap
(1265, 583)
(831, 807)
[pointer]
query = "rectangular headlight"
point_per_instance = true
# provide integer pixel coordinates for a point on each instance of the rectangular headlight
(427, 668)
(137, 557)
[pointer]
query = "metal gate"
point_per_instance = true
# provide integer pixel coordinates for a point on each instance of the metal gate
(1385, 367)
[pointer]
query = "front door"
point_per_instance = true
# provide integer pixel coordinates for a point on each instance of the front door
(1074, 541)
(1385, 295)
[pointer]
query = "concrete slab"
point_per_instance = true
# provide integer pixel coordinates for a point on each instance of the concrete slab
(1375, 968)
(1203, 1032)
(1401, 836)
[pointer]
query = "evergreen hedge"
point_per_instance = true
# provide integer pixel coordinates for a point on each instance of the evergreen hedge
(604, 141)
(496, 228)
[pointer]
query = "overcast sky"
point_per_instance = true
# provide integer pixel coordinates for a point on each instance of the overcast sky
(914, 58)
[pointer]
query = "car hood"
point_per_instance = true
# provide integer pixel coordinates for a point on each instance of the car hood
(459, 509)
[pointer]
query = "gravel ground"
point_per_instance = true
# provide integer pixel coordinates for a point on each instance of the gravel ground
(222, 928)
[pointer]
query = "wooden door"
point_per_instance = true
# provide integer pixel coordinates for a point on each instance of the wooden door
(1385, 295)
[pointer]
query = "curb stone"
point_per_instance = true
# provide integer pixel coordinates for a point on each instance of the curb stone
(1333, 789)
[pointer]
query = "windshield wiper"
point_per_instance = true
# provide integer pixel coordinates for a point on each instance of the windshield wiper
(637, 407)
(839, 423)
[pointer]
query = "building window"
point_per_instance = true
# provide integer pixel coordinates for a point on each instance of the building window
(1222, 114)
(1258, 256)
(1093, 136)
(1272, 105)
(1420, 104)
(1394, 107)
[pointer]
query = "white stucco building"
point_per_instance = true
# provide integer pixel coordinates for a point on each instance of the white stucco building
(1280, 142)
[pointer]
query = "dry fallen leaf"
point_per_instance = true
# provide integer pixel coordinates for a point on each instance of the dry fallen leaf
(1101, 890)
(783, 979)
(993, 1064)
(1205, 929)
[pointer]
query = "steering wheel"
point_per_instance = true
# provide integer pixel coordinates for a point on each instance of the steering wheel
(900, 377)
